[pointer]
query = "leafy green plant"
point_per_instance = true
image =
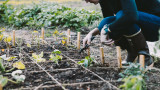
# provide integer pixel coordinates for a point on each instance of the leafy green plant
(2, 67)
(133, 69)
(15, 74)
(133, 83)
(88, 61)
(133, 78)
(38, 58)
(55, 56)
(47, 15)
(18, 65)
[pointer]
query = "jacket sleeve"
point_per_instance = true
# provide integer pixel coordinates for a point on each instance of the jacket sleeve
(128, 18)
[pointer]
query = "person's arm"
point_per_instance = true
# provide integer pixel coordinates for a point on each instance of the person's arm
(129, 17)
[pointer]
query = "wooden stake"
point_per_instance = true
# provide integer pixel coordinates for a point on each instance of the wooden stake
(78, 40)
(68, 36)
(119, 57)
(13, 42)
(102, 55)
(88, 50)
(142, 60)
(1, 87)
(42, 35)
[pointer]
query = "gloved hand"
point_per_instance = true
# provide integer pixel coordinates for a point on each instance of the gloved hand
(87, 39)
(104, 36)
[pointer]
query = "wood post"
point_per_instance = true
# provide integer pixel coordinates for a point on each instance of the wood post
(88, 51)
(102, 55)
(1, 87)
(78, 40)
(68, 36)
(142, 60)
(42, 35)
(13, 40)
(119, 57)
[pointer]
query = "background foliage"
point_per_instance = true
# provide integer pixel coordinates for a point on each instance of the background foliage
(47, 15)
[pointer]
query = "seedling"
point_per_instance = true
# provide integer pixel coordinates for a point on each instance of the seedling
(38, 58)
(133, 83)
(64, 40)
(56, 34)
(88, 61)
(2, 30)
(1, 37)
(35, 35)
(18, 65)
(7, 40)
(55, 56)
(15, 75)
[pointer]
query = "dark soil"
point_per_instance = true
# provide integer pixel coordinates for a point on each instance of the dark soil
(67, 72)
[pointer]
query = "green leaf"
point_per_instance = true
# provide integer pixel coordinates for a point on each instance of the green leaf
(56, 52)
(3, 80)
(2, 68)
(81, 62)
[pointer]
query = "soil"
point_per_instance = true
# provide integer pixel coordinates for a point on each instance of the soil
(67, 72)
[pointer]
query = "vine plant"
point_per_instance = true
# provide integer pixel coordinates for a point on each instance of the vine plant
(55, 56)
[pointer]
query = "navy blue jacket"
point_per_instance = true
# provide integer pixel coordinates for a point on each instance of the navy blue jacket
(111, 7)
(130, 8)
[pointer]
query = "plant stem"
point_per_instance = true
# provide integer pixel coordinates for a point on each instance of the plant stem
(10, 70)
(12, 81)
(7, 50)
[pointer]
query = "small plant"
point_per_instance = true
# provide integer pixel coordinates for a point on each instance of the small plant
(64, 41)
(133, 69)
(56, 34)
(36, 37)
(18, 65)
(88, 61)
(7, 40)
(16, 75)
(2, 67)
(133, 83)
(29, 45)
(1, 37)
(133, 78)
(38, 58)
(55, 56)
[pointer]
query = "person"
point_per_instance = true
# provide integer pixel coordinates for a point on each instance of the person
(129, 23)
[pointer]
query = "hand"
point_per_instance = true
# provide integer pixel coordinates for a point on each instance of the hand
(87, 39)
(105, 38)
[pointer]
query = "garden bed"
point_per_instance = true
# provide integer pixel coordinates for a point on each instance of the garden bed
(67, 74)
